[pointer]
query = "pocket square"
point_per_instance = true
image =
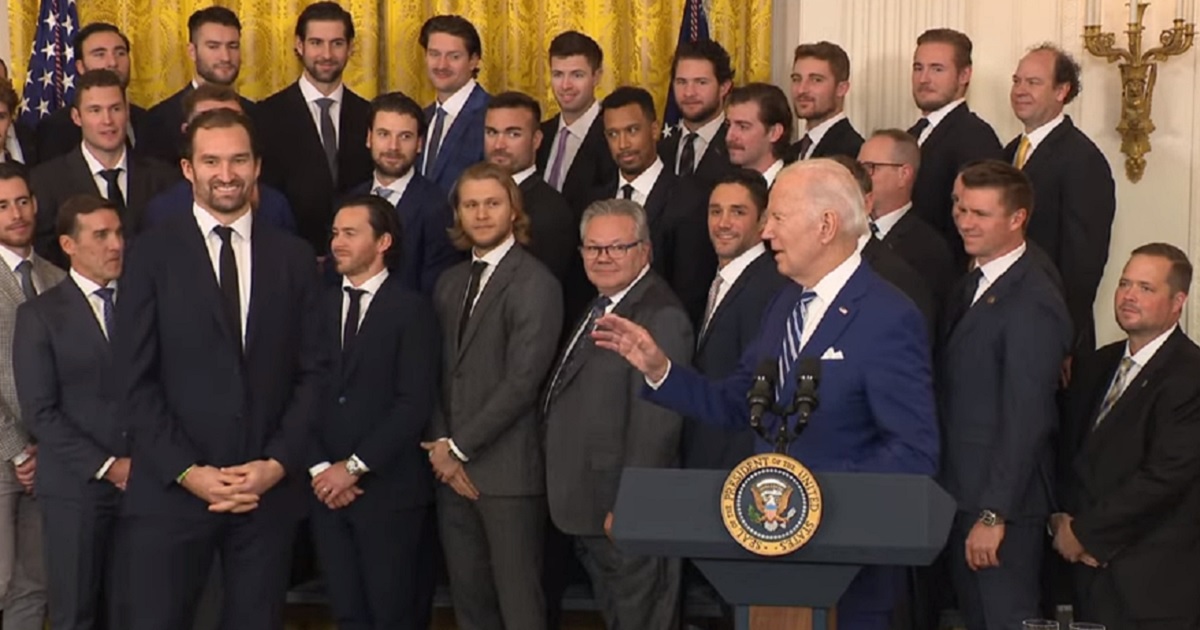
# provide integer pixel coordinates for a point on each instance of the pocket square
(832, 355)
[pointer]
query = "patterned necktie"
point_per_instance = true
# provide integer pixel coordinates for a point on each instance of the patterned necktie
(329, 136)
(106, 296)
(385, 192)
(582, 337)
(713, 291)
(875, 230)
(916, 130)
(792, 340)
(473, 283)
(687, 159)
(1022, 152)
(353, 314)
(1115, 390)
(25, 272)
(435, 140)
(113, 192)
(804, 145)
(560, 153)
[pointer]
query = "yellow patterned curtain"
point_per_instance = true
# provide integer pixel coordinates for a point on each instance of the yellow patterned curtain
(638, 38)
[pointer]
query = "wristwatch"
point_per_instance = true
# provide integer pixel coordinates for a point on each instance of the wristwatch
(354, 468)
(990, 518)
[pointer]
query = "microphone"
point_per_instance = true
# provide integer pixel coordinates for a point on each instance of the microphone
(808, 378)
(762, 392)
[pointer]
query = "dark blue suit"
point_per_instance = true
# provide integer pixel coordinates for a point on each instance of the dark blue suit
(377, 406)
(425, 215)
(191, 395)
(272, 208)
(876, 412)
(462, 142)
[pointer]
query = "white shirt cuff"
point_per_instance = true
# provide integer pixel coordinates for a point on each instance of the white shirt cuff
(21, 458)
(360, 463)
(104, 469)
(656, 384)
(457, 453)
(317, 469)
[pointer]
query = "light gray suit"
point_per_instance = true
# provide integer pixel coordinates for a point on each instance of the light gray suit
(491, 381)
(22, 566)
(597, 424)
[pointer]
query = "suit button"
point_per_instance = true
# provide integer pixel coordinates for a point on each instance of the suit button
(341, 400)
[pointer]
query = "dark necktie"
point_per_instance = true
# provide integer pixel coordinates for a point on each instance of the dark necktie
(962, 302)
(916, 130)
(353, 314)
(583, 337)
(477, 268)
(114, 189)
(804, 145)
(435, 141)
(229, 281)
(106, 296)
(25, 271)
(687, 160)
(329, 136)
(627, 191)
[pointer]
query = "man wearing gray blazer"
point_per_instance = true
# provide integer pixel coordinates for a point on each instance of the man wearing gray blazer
(501, 314)
(597, 423)
(23, 275)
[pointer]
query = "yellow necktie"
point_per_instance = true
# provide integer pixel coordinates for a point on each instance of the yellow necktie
(1022, 151)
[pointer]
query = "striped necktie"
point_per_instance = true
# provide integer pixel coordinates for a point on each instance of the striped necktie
(789, 351)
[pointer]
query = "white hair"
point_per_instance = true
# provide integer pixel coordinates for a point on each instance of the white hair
(830, 186)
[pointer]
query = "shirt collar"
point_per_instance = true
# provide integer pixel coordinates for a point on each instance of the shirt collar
(94, 165)
(583, 124)
(936, 116)
(817, 133)
(311, 93)
(615, 299)
(644, 183)
(1148, 351)
(707, 132)
(13, 146)
(1038, 135)
(398, 186)
(992, 270)
(732, 271)
(86, 285)
(830, 286)
(12, 259)
(494, 257)
(888, 221)
(371, 285)
(458, 100)
(771, 173)
(208, 222)
(520, 178)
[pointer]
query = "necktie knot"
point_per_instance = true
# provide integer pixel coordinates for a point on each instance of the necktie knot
(105, 294)
(110, 175)
(355, 294)
(225, 233)
(1022, 151)
(383, 191)
(325, 103)
(875, 230)
(601, 305)
(919, 128)
(627, 191)
(804, 145)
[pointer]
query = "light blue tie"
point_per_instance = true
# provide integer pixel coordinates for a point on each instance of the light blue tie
(385, 192)
(789, 351)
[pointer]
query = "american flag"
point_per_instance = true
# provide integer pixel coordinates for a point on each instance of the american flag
(693, 28)
(50, 82)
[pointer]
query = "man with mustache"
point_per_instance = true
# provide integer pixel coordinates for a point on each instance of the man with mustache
(820, 81)
(455, 139)
(101, 164)
(701, 77)
(312, 131)
(760, 126)
(220, 368)
(24, 275)
(215, 48)
(949, 133)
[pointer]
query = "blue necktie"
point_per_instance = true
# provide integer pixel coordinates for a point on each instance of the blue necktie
(789, 351)
(106, 295)
(435, 141)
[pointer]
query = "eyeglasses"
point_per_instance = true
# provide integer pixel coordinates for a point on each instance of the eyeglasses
(871, 166)
(616, 251)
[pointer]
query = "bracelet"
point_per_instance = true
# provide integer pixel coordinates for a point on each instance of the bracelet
(184, 474)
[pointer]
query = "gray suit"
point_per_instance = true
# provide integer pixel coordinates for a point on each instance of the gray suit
(22, 572)
(494, 545)
(597, 424)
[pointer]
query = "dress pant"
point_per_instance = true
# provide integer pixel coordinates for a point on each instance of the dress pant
(999, 598)
(80, 540)
(373, 565)
(493, 548)
(634, 592)
(1097, 600)
(22, 564)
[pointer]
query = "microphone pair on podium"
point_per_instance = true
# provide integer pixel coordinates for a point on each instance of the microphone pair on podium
(761, 398)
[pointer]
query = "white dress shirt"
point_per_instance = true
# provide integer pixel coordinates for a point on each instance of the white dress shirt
(371, 287)
(1142, 357)
(1038, 135)
(13, 146)
(519, 178)
(992, 270)
(240, 240)
(771, 173)
(576, 132)
(885, 223)
(642, 184)
(816, 134)
(704, 137)
(733, 270)
(94, 167)
(936, 117)
(89, 289)
(397, 187)
(453, 106)
(311, 94)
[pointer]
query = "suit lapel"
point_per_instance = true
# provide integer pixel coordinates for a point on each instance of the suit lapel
(81, 174)
(204, 279)
(584, 344)
(1134, 390)
(1045, 149)
(11, 285)
(669, 151)
(79, 311)
(996, 293)
(838, 316)
(266, 275)
(656, 201)
(731, 295)
(945, 128)
(496, 286)
(715, 153)
(453, 136)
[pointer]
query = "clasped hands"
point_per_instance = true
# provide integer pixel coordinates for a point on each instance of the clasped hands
(449, 470)
(233, 489)
(1066, 544)
(336, 487)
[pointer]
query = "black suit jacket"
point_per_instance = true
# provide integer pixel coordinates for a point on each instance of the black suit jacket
(554, 240)
(57, 134)
(63, 369)
(56, 180)
(1132, 484)
(926, 251)
(733, 327)
(425, 215)
(677, 214)
(998, 372)
(294, 158)
(593, 165)
(28, 143)
(960, 138)
(188, 391)
(1074, 204)
(381, 395)
(841, 139)
(165, 121)
(893, 268)
(713, 165)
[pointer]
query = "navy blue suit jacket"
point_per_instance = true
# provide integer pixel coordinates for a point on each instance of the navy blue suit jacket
(462, 143)
(189, 392)
(381, 395)
(177, 200)
(425, 215)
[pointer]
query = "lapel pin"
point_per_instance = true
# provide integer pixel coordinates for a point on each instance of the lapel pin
(991, 299)
(843, 310)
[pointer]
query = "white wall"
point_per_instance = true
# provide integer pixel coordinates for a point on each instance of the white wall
(5, 47)
(880, 35)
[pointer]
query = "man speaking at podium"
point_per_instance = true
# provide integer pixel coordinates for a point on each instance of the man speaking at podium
(876, 407)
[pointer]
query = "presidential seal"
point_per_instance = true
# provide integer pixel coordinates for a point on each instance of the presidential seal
(771, 504)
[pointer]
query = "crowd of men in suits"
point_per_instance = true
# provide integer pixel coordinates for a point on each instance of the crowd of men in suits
(444, 331)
